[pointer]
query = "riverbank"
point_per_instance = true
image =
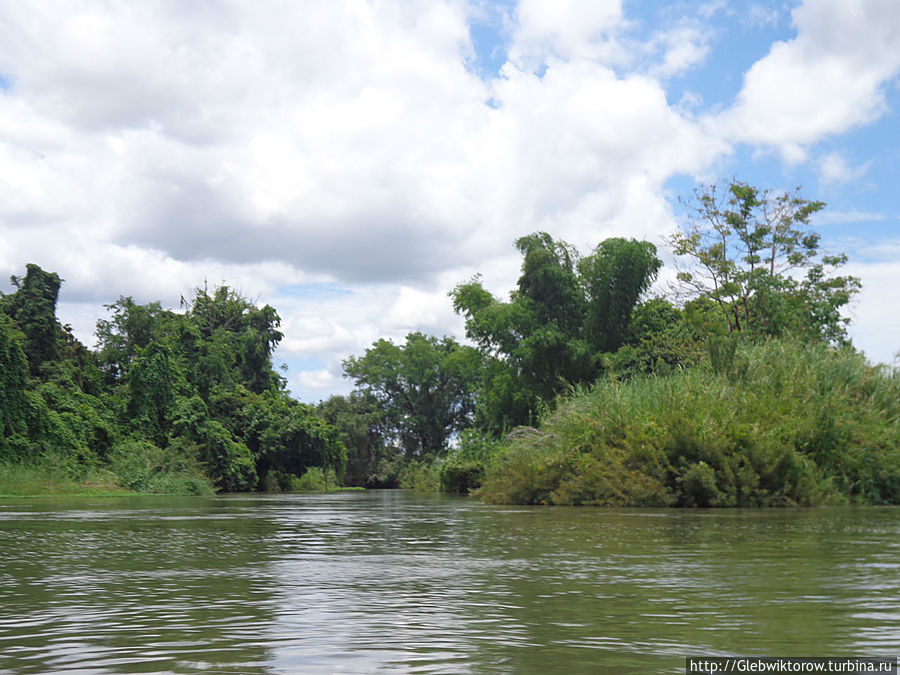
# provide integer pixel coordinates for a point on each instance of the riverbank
(53, 477)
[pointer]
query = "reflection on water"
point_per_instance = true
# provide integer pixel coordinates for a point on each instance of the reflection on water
(397, 582)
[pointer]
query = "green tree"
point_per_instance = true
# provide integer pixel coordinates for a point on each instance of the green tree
(425, 389)
(33, 308)
(562, 315)
(615, 277)
(14, 408)
(358, 419)
(286, 438)
(130, 327)
(746, 249)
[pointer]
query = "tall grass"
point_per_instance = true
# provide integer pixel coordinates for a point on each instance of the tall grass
(49, 476)
(778, 423)
(131, 467)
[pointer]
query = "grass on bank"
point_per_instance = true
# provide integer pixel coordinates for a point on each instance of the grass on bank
(774, 424)
(132, 469)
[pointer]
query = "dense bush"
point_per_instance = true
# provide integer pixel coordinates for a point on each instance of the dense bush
(779, 423)
(168, 403)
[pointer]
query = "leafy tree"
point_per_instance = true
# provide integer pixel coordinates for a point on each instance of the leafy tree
(33, 308)
(618, 273)
(361, 429)
(746, 248)
(250, 333)
(425, 389)
(562, 315)
(154, 383)
(549, 285)
(287, 438)
(13, 379)
(131, 327)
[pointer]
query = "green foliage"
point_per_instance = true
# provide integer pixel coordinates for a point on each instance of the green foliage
(13, 379)
(361, 429)
(140, 466)
(420, 475)
(464, 468)
(618, 273)
(424, 389)
(315, 479)
(548, 285)
(288, 437)
(563, 312)
(168, 400)
(777, 423)
(33, 308)
(744, 249)
(154, 382)
(661, 339)
(50, 475)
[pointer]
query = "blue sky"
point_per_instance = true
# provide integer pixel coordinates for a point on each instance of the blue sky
(349, 162)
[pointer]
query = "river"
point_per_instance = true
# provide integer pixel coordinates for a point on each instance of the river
(391, 581)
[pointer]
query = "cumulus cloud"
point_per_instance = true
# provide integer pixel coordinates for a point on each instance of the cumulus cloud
(147, 147)
(826, 80)
(834, 169)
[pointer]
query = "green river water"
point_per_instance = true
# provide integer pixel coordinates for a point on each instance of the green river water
(391, 581)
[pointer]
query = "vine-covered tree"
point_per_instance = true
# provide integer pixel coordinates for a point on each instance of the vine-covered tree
(13, 380)
(33, 308)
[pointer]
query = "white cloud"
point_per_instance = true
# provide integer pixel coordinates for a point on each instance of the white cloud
(874, 328)
(826, 80)
(564, 30)
(834, 169)
(841, 217)
(683, 48)
(156, 145)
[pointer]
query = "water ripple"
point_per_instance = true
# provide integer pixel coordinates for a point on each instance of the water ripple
(394, 582)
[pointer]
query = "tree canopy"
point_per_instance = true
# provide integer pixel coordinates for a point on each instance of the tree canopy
(747, 249)
(565, 312)
(423, 388)
(195, 388)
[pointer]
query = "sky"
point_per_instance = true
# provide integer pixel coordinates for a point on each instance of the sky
(350, 161)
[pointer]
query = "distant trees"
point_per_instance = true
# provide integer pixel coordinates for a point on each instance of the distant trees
(195, 390)
(33, 308)
(165, 393)
(13, 380)
(204, 381)
(424, 389)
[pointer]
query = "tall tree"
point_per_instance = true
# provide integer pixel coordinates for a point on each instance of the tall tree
(13, 379)
(425, 387)
(33, 308)
(615, 277)
(747, 249)
(562, 315)
(358, 418)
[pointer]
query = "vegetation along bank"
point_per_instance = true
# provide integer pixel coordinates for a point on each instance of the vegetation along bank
(740, 388)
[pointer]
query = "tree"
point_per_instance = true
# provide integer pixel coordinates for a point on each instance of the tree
(13, 379)
(33, 308)
(425, 389)
(746, 248)
(615, 277)
(358, 419)
(564, 313)
(287, 437)
(131, 327)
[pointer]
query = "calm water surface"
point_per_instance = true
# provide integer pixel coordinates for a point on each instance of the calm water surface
(397, 582)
